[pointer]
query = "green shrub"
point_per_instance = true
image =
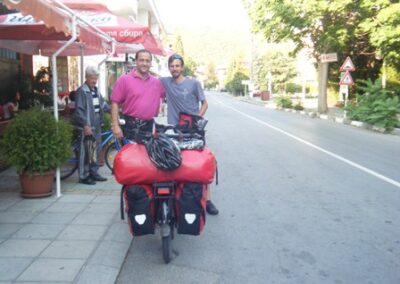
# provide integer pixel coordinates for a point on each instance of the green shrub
(298, 106)
(292, 88)
(376, 106)
(35, 142)
(284, 102)
(106, 122)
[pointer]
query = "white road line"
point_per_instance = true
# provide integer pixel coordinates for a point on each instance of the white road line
(358, 166)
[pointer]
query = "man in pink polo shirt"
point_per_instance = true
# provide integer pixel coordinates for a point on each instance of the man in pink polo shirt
(139, 94)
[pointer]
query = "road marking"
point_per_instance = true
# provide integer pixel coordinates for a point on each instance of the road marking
(358, 166)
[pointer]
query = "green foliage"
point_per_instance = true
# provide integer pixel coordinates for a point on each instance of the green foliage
(190, 67)
(211, 74)
(284, 102)
(35, 142)
(361, 29)
(383, 29)
(298, 106)
(178, 46)
(281, 66)
(106, 122)
(42, 86)
(235, 85)
(376, 106)
(292, 88)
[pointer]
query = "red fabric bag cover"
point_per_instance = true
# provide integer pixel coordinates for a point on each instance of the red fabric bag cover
(132, 165)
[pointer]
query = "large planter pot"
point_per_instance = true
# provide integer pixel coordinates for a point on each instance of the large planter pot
(37, 185)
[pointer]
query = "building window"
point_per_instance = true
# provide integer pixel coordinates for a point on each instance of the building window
(8, 54)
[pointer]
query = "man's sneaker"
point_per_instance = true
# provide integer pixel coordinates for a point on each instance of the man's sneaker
(88, 181)
(211, 209)
(98, 178)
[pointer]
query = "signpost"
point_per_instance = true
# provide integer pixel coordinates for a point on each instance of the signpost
(346, 80)
(328, 57)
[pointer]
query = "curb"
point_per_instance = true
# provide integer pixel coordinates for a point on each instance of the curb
(343, 120)
(313, 114)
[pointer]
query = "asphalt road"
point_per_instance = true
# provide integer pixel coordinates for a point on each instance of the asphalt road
(301, 200)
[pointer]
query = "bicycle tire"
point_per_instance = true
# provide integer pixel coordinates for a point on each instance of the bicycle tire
(109, 156)
(167, 248)
(70, 166)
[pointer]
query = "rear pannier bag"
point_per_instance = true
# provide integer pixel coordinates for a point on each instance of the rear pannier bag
(190, 207)
(132, 165)
(139, 205)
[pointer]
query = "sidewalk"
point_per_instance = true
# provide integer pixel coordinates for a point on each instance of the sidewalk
(334, 114)
(77, 238)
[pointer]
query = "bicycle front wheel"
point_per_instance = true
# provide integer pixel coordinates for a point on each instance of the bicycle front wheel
(70, 166)
(110, 153)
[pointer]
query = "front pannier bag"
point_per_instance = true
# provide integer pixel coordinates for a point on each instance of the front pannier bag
(190, 207)
(140, 209)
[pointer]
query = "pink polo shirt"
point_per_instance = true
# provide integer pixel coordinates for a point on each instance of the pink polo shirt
(139, 97)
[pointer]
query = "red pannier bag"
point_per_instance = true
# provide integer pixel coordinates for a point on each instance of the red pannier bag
(132, 165)
(140, 208)
(191, 198)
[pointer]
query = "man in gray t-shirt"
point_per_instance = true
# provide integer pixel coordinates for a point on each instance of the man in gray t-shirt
(184, 95)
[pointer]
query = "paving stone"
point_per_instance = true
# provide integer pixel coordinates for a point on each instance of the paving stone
(102, 208)
(6, 230)
(107, 199)
(93, 219)
(31, 205)
(119, 232)
(82, 232)
(110, 254)
(98, 274)
(10, 268)
(38, 231)
(7, 203)
(16, 217)
(66, 207)
(52, 269)
(76, 198)
(70, 249)
(54, 218)
(22, 248)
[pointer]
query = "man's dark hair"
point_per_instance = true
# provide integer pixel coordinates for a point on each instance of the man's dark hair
(143, 51)
(175, 56)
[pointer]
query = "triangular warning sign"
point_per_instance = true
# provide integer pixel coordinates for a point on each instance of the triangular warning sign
(346, 79)
(348, 65)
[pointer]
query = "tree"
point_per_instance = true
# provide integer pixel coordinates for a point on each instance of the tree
(211, 74)
(281, 66)
(384, 30)
(235, 75)
(190, 65)
(178, 46)
(343, 26)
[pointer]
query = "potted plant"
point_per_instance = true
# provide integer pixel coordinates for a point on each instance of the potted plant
(36, 144)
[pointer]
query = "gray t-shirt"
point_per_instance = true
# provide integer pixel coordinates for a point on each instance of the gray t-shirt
(182, 97)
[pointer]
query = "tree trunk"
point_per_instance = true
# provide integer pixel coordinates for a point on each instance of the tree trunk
(322, 86)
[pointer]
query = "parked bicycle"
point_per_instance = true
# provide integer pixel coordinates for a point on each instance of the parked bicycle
(109, 143)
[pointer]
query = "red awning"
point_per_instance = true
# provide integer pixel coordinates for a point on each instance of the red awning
(58, 20)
